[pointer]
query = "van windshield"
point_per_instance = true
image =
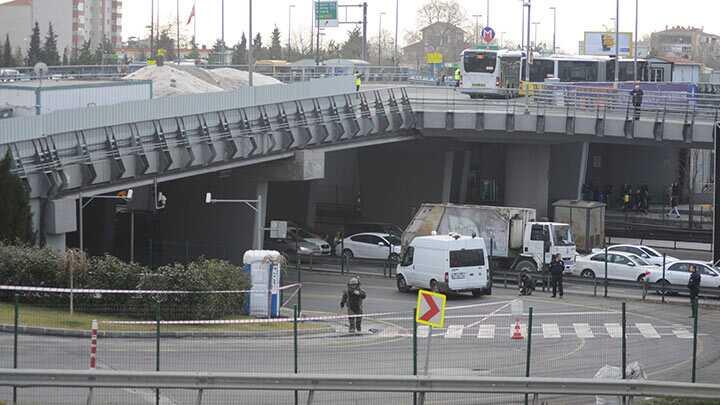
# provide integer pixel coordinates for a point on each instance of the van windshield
(467, 258)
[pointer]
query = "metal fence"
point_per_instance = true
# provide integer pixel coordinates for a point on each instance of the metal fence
(153, 332)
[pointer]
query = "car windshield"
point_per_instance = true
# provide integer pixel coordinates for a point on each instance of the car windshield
(394, 240)
(650, 252)
(639, 260)
(562, 235)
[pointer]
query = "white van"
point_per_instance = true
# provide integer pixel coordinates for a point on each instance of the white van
(447, 263)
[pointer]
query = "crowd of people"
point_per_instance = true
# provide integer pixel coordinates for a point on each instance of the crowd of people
(634, 198)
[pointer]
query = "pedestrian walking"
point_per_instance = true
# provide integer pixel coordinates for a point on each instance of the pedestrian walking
(694, 288)
(353, 297)
(557, 268)
(674, 197)
(637, 97)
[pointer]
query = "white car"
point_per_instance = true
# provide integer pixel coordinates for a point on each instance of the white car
(678, 274)
(370, 246)
(648, 254)
(620, 266)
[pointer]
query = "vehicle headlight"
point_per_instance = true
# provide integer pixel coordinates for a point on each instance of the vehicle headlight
(304, 249)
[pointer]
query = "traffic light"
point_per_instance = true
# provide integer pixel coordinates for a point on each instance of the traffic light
(161, 201)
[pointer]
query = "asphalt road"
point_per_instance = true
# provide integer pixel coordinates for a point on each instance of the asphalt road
(572, 337)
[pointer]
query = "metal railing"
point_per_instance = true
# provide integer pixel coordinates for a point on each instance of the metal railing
(27, 378)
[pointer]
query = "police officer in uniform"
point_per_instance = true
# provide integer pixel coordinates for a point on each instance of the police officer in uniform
(458, 77)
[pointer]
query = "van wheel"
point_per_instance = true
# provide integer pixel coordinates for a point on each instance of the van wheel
(402, 284)
(477, 293)
(433, 286)
(347, 255)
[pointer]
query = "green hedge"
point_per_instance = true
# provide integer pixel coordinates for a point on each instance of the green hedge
(31, 266)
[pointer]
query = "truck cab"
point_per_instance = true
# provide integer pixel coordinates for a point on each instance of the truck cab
(543, 240)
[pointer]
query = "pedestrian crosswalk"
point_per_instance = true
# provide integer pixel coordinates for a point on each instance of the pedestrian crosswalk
(547, 331)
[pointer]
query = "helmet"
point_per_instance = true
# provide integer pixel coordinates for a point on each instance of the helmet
(354, 282)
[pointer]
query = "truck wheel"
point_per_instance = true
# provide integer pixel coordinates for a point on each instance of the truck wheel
(433, 286)
(402, 285)
(526, 265)
(478, 292)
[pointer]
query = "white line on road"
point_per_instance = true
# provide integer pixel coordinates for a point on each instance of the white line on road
(614, 330)
(647, 331)
(583, 331)
(454, 332)
(551, 331)
(489, 315)
(486, 332)
(682, 333)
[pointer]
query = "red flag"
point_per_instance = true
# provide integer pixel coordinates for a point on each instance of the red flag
(192, 15)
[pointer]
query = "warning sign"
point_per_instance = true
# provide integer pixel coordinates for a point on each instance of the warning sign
(430, 309)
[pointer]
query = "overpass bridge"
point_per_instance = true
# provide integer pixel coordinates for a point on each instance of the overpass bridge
(285, 132)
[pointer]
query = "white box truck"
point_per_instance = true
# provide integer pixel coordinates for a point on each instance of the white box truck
(447, 263)
(515, 240)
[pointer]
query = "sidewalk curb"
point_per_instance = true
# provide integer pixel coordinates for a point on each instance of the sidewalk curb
(347, 273)
(38, 331)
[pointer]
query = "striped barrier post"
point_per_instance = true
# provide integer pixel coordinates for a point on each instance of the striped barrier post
(93, 356)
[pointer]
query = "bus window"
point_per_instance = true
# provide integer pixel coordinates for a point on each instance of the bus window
(577, 71)
(541, 69)
(480, 62)
(510, 72)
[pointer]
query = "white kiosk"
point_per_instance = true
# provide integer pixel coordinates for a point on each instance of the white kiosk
(264, 268)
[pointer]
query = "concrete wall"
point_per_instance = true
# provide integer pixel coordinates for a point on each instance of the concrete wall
(527, 170)
(60, 14)
(15, 21)
(565, 171)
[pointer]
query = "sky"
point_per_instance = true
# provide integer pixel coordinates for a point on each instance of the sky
(573, 17)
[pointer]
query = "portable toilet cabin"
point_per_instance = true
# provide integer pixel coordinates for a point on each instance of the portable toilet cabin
(264, 268)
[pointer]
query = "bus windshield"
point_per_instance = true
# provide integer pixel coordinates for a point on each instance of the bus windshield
(480, 62)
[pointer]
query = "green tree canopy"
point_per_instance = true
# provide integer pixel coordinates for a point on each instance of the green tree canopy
(34, 54)
(352, 48)
(50, 53)
(15, 216)
(239, 55)
(7, 59)
(275, 46)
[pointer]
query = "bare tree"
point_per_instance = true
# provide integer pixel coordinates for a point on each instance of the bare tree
(444, 11)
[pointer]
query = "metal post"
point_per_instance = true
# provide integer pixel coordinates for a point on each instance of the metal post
(157, 348)
(15, 343)
(342, 255)
(606, 276)
(177, 21)
(529, 347)
(427, 362)
(132, 236)
(624, 341)
(554, 9)
(414, 349)
(527, 60)
(663, 276)
(397, 22)
(365, 41)
(290, 7)
(317, 33)
(222, 26)
(635, 51)
(251, 68)
(716, 191)
(695, 334)
(80, 222)
(380, 40)
(260, 222)
(295, 344)
(522, 36)
(152, 34)
(617, 42)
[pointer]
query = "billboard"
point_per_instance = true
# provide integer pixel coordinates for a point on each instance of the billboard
(603, 43)
(326, 14)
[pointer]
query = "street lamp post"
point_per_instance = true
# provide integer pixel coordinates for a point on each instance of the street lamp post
(522, 35)
(397, 23)
(488, 13)
(251, 60)
(554, 10)
(477, 28)
(290, 7)
(635, 47)
(535, 37)
(617, 42)
(255, 205)
(380, 38)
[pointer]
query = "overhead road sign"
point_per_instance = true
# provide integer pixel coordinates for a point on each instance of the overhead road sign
(326, 14)
(430, 309)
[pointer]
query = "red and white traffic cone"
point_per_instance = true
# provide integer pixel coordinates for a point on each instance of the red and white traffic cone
(93, 345)
(517, 332)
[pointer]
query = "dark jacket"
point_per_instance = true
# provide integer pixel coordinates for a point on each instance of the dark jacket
(637, 97)
(353, 298)
(694, 283)
(557, 268)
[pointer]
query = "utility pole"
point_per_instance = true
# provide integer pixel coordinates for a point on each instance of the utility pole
(488, 13)
(522, 37)
(312, 25)
(477, 28)
(365, 34)
(152, 28)
(535, 38)
(177, 21)
(617, 42)
(317, 44)
(554, 10)
(380, 39)
(251, 58)
(635, 47)
(397, 22)
(290, 7)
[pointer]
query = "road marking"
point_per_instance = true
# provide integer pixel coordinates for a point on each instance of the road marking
(489, 315)
(551, 331)
(583, 331)
(682, 333)
(647, 331)
(614, 330)
(454, 332)
(389, 333)
(423, 331)
(486, 332)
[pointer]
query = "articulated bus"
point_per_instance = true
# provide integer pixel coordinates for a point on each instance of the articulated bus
(493, 73)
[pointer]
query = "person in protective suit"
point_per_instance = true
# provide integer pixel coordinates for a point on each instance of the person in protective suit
(353, 298)
(526, 283)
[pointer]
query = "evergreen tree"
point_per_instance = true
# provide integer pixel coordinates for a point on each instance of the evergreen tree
(275, 46)
(239, 55)
(194, 53)
(258, 50)
(86, 56)
(34, 54)
(166, 42)
(105, 53)
(15, 215)
(7, 59)
(65, 59)
(217, 52)
(18, 58)
(352, 48)
(50, 53)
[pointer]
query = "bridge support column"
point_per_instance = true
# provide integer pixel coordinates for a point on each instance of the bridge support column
(261, 214)
(527, 174)
(59, 219)
(467, 155)
(447, 176)
(582, 174)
